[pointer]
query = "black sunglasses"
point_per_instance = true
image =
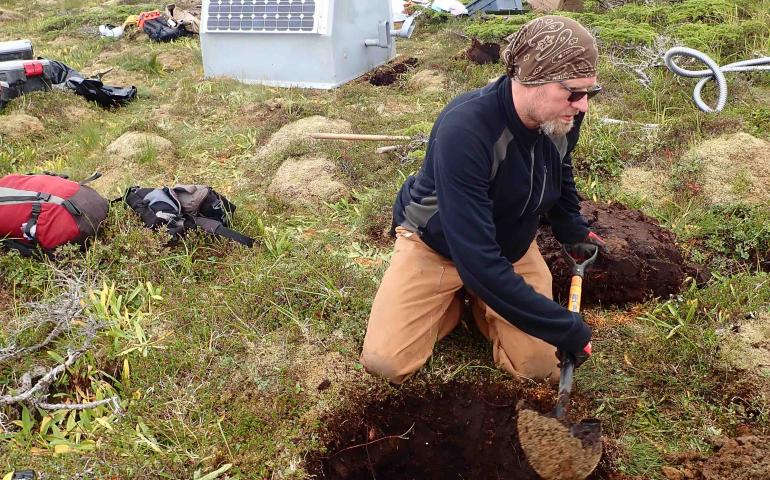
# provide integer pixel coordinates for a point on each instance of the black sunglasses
(577, 95)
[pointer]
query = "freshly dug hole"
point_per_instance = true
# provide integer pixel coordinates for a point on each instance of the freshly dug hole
(456, 430)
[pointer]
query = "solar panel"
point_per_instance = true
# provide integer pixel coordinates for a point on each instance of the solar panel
(259, 16)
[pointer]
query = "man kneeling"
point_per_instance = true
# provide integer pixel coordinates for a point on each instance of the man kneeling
(498, 158)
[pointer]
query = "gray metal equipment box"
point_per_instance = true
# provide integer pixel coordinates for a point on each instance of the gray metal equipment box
(295, 43)
(495, 6)
(16, 50)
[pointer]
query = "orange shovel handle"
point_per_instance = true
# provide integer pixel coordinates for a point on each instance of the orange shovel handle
(575, 291)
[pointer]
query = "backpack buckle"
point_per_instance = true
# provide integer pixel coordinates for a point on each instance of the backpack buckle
(33, 69)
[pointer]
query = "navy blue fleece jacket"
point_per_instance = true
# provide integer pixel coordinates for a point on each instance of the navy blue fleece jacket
(478, 198)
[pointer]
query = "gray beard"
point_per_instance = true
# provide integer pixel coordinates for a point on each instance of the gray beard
(556, 127)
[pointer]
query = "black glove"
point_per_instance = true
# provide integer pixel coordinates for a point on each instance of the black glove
(578, 357)
(584, 249)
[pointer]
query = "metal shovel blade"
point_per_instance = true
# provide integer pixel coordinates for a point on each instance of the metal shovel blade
(557, 451)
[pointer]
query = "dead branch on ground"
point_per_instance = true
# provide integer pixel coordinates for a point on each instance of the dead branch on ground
(60, 311)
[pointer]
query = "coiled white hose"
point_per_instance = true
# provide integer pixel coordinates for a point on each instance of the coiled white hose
(714, 72)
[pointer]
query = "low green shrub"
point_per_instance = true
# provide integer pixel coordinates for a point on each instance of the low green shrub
(708, 11)
(495, 30)
(621, 32)
(725, 40)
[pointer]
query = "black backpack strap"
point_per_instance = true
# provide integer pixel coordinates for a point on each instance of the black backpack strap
(28, 230)
(216, 228)
(90, 179)
(24, 249)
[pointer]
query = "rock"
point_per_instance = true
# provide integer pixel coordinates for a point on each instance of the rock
(734, 168)
(17, 126)
(140, 147)
(300, 131)
(429, 81)
(307, 181)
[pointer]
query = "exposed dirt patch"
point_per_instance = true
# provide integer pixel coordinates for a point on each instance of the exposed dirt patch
(429, 81)
(7, 15)
(76, 114)
(648, 185)
(642, 259)
(456, 430)
(175, 60)
(388, 74)
(747, 345)
(299, 132)
(307, 182)
(19, 125)
(735, 168)
(481, 53)
(742, 458)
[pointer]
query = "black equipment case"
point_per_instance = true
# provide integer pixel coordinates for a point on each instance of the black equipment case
(16, 50)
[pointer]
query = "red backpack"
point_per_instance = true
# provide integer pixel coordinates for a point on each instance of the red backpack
(47, 210)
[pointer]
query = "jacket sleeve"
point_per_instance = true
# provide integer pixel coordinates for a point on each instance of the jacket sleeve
(567, 223)
(462, 173)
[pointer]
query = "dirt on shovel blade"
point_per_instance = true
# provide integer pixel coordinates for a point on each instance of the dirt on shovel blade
(552, 451)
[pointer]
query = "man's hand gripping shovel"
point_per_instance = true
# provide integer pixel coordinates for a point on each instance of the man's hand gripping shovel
(555, 448)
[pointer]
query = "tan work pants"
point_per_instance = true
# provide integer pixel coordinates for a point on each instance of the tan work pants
(420, 301)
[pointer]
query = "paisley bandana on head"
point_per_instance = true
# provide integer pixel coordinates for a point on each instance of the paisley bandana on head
(550, 49)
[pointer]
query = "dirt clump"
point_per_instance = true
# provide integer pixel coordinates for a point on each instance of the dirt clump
(734, 168)
(429, 81)
(481, 53)
(307, 181)
(641, 259)
(132, 146)
(450, 431)
(742, 458)
(388, 74)
(299, 132)
(17, 126)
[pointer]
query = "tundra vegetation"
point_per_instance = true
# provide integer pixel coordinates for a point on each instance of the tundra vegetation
(226, 362)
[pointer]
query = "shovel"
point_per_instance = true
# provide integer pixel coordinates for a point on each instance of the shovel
(555, 448)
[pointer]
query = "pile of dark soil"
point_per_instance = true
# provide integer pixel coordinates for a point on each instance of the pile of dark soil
(454, 431)
(742, 458)
(388, 74)
(481, 53)
(641, 259)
